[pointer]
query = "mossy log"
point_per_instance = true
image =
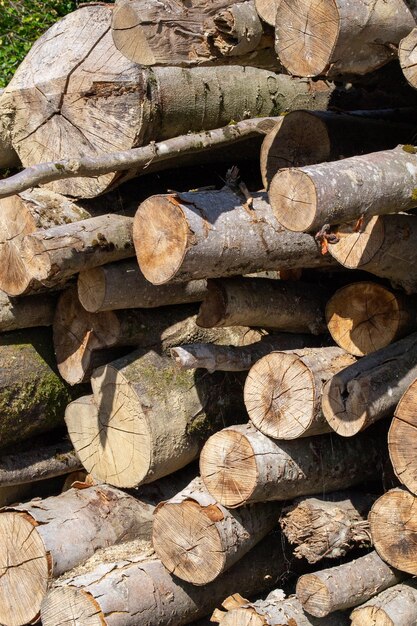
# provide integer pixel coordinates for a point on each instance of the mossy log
(211, 234)
(275, 610)
(237, 358)
(202, 33)
(96, 101)
(123, 286)
(402, 438)
(283, 391)
(345, 586)
(328, 527)
(240, 465)
(197, 538)
(308, 137)
(116, 593)
(370, 389)
(396, 606)
(84, 341)
(289, 306)
(338, 37)
(306, 198)
(150, 418)
(364, 317)
(32, 395)
(393, 521)
(22, 214)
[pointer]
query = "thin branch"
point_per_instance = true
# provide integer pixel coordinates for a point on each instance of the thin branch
(137, 158)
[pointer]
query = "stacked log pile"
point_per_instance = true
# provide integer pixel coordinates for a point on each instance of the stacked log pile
(207, 391)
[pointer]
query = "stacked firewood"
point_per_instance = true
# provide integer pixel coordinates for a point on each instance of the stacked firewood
(270, 336)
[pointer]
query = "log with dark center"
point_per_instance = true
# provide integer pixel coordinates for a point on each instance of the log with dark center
(290, 306)
(370, 389)
(364, 317)
(197, 539)
(307, 198)
(283, 391)
(240, 465)
(334, 37)
(345, 586)
(393, 520)
(149, 418)
(194, 235)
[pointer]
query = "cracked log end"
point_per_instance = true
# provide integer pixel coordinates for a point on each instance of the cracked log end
(81, 337)
(68, 606)
(279, 396)
(131, 40)
(393, 521)
(293, 199)
(228, 468)
(92, 289)
(314, 595)
(307, 35)
(357, 247)
(160, 235)
(24, 570)
(187, 541)
(402, 439)
(364, 317)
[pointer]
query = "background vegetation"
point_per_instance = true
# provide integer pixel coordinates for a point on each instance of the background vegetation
(21, 23)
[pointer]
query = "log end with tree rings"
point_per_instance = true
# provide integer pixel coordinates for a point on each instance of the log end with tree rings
(307, 34)
(293, 199)
(130, 40)
(314, 595)
(365, 316)
(402, 439)
(69, 605)
(228, 467)
(407, 52)
(160, 235)
(279, 396)
(393, 521)
(267, 10)
(188, 542)
(91, 287)
(24, 569)
(357, 246)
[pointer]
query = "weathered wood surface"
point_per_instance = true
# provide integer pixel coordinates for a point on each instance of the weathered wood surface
(396, 606)
(402, 441)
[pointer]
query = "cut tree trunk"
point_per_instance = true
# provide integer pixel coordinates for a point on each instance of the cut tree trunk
(328, 527)
(151, 418)
(149, 32)
(267, 10)
(240, 465)
(275, 610)
(396, 606)
(309, 137)
(364, 317)
(306, 198)
(393, 521)
(383, 245)
(197, 539)
(123, 286)
(337, 37)
(290, 306)
(370, 389)
(22, 214)
(40, 463)
(96, 101)
(84, 341)
(283, 391)
(214, 233)
(32, 396)
(42, 539)
(236, 358)
(116, 593)
(407, 52)
(345, 586)
(51, 256)
(402, 438)
(26, 312)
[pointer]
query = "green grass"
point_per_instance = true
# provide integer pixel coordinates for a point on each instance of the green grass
(21, 23)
